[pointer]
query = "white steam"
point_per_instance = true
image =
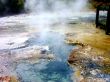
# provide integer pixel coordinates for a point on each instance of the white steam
(45, 13)
(80, 5)
(55, 5)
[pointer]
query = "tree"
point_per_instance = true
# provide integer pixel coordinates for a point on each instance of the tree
(15, 5)
(2, 7)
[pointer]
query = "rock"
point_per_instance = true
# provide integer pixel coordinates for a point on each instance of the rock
(8, 79)
(51, 56)
(91, 63)
(44, 50)
(93, 72)
(5, 79)
(72, 41)
(88, 54)
(93, 80)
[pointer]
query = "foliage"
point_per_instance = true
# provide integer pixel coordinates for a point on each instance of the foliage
(96, 3)
(11, 6)
(15, 5)
(104, 1)
(2, 7)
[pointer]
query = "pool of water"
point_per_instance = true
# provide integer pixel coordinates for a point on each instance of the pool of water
(56, 70)
(44, 70)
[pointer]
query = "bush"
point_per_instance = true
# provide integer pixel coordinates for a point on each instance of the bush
(2, 7)
(15, 5)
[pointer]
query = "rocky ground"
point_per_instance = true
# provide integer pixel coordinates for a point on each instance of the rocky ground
(92, 55)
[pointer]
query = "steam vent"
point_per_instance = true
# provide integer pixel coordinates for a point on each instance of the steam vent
(54, 41)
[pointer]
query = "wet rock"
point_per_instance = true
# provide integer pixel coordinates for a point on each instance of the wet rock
(44, 50)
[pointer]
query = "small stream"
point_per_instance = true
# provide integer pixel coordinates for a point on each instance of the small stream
(48, 71)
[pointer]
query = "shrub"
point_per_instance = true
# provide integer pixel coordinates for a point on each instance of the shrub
(2, 7)
(15, 5)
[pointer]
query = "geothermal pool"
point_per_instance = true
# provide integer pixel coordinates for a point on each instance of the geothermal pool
(33, 45)
(56, 70)
(28, 34)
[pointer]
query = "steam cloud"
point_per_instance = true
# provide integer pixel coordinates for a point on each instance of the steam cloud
(45, 13)
(55, 5)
